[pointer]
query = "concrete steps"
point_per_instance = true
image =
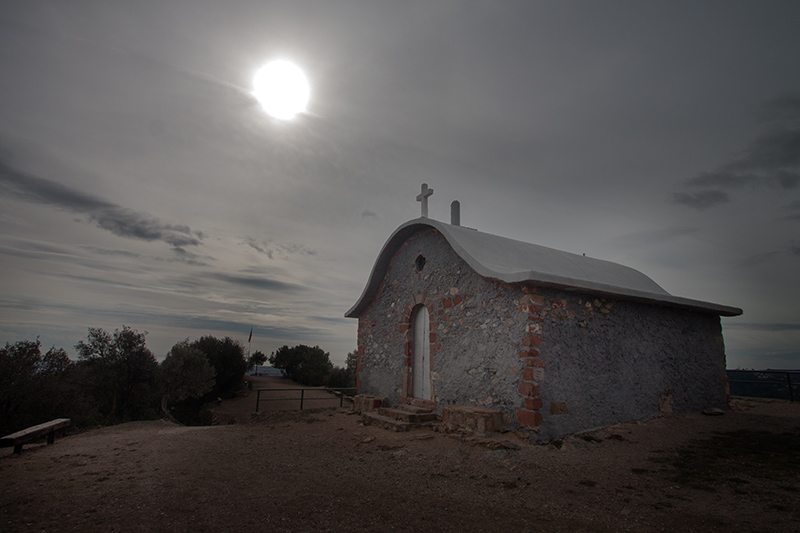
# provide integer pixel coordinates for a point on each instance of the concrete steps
(400, 417)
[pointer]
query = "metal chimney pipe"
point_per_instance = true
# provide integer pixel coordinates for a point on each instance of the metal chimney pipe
(455, 213)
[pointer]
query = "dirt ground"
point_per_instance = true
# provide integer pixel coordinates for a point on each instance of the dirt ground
(321, 470)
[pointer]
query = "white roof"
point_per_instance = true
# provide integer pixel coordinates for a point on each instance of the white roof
(513, 261)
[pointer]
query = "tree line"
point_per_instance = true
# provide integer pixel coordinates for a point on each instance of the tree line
(117, 379)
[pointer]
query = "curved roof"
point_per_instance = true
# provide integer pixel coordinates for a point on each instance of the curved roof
(513, 261)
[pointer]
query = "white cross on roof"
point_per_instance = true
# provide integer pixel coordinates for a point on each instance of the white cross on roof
(423, 197)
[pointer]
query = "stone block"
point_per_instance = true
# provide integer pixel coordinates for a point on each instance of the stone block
(474, 420)
(364, 403)
(559, 408)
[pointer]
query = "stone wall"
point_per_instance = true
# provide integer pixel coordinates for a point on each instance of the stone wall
(607, 360)
(475, 330)
(553, 362)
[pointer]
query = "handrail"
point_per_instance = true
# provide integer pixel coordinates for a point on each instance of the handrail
(788, 382)
(259, 399)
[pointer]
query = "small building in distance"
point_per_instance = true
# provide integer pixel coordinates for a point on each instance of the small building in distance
(557, 342)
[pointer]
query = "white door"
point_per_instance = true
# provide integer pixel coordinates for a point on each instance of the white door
(421, 377)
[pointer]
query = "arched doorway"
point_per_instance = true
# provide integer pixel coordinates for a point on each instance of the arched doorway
(421, 364)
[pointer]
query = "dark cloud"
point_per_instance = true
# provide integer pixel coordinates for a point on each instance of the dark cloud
(791, 250)
(722, 180)
(259, 283)
(702, 199)
(771, 160)
(271, 249)
(260, 247)
(331, 319)
(794, 206)
(118, 220)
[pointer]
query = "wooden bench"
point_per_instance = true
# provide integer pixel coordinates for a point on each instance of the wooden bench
(32, 433)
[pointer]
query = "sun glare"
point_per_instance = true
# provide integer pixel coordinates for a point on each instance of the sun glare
(281, 89)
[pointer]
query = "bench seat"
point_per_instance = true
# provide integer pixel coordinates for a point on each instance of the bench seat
(32, 433)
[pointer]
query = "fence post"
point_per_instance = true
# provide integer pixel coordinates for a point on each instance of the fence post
(302, 393)
(789, 380)
(258, 398)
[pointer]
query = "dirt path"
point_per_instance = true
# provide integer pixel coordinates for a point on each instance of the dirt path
(275, 398)
(324, 471)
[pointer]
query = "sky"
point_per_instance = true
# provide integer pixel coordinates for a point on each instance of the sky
(141, 183)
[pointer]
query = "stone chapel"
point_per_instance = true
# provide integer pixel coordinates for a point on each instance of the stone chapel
(558, 343)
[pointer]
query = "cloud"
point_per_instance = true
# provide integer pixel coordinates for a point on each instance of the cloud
(791, 250)
(271, 249)
(794, 206)
(702, 199)
(367, 213)
(771, 160)
(111, 217)
(258, 283)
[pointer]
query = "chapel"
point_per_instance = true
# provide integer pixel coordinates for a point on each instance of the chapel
(558, 343)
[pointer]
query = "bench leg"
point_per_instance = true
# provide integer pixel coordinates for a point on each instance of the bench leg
(51, 437)
(18, 448)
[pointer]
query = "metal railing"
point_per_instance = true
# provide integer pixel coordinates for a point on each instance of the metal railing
(779, 382)
(303, 398)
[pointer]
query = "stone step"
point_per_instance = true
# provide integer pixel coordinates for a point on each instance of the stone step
(412, 416)
(372, 418)
(388, 422)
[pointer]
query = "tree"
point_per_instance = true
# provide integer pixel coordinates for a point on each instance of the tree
(119, 371)
(186, 373)
(351, 363)
(35, 388)
(227, 357)
(256, 358)
(303, 364)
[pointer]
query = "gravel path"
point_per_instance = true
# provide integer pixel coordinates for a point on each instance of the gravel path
(321, 470)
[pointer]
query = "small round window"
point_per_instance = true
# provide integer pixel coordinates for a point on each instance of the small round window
(420, 262)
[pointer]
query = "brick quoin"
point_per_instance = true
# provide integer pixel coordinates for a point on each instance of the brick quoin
(527, 374)
(534, 362)
(533, 403)
(529, 418)
(526, 388)
(434, 349)
(532, 340)
(529, 353)
(447, 302)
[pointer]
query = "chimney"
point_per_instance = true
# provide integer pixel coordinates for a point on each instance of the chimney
(455, 213)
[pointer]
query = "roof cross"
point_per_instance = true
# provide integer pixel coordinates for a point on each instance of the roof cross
(423, 197)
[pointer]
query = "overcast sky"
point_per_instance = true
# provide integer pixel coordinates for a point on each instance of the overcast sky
(142, 184)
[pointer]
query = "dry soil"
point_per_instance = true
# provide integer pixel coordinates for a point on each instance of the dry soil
(322, 470)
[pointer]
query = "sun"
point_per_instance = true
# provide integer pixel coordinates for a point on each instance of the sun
(282, 89)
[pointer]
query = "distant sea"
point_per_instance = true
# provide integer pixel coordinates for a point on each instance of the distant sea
(266, 371)
(765, 383)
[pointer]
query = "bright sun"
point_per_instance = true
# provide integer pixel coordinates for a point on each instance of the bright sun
(281, 89)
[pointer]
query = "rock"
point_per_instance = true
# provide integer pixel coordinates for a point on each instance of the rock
(713, 411)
